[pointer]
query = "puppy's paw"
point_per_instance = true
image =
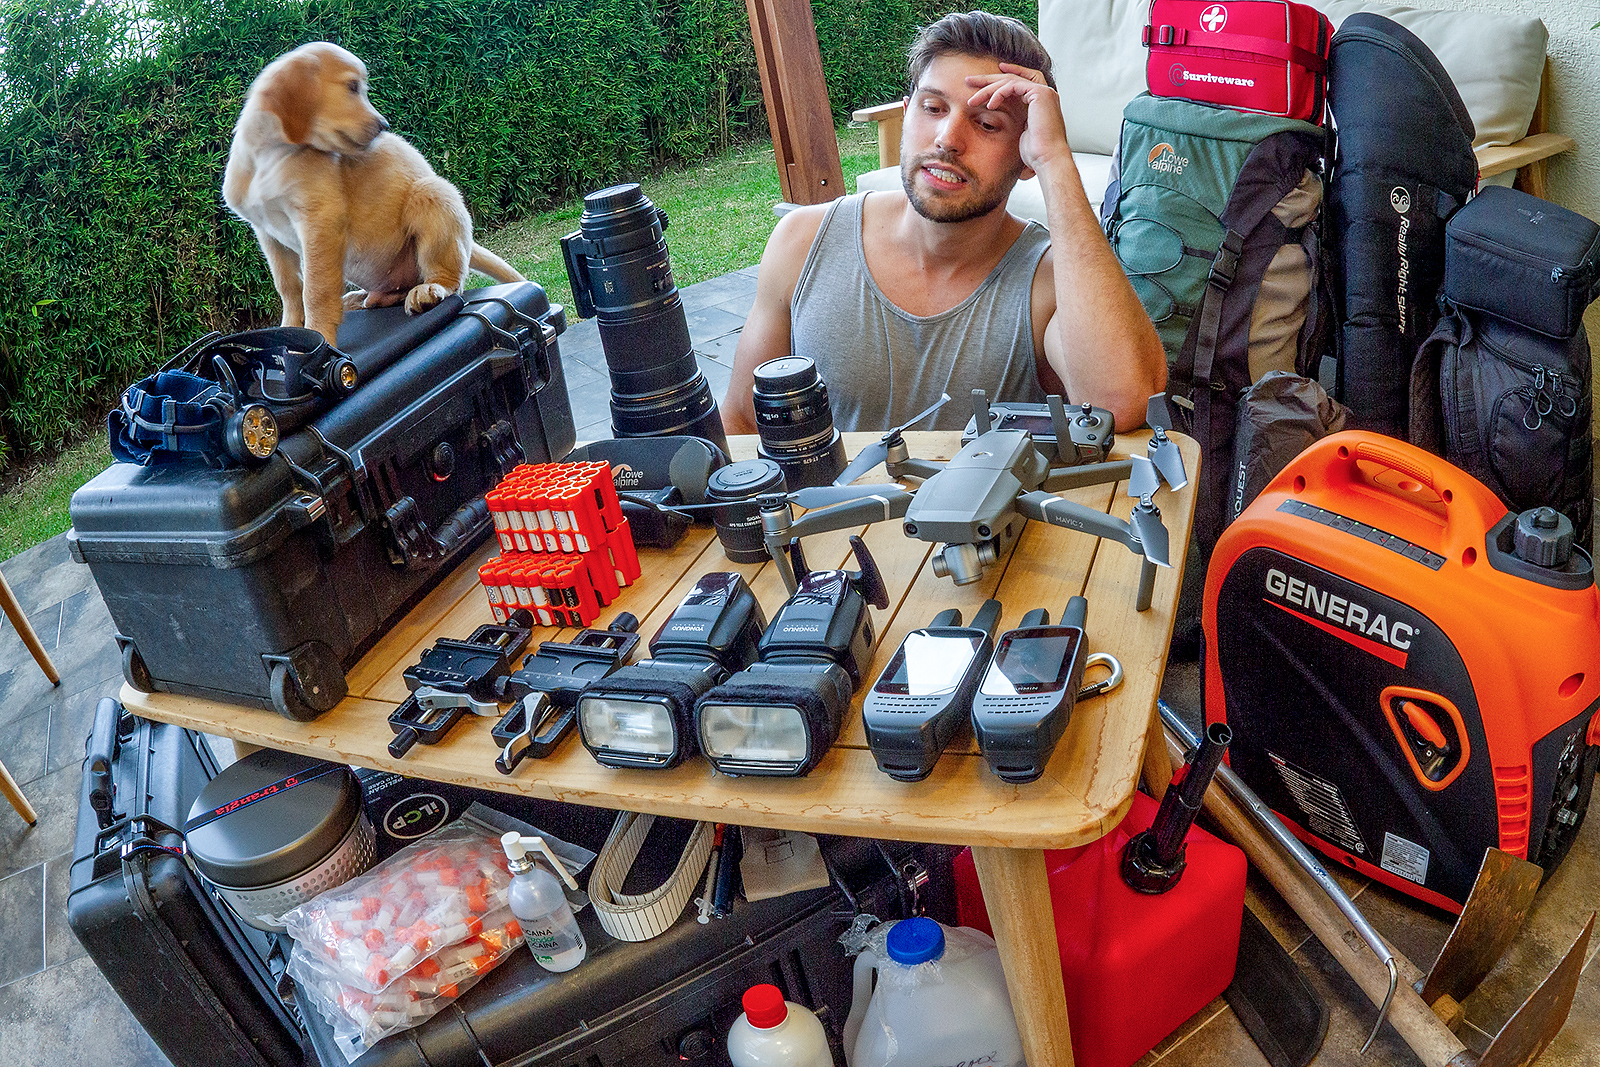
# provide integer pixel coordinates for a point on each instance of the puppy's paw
(424, 296)
(355, 298)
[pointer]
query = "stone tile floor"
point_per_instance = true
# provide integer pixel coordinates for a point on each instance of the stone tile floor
(56, 1008)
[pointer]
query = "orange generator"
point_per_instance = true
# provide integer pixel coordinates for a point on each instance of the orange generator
(1410, 671)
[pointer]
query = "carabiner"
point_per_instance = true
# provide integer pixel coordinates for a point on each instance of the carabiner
(1104, 685)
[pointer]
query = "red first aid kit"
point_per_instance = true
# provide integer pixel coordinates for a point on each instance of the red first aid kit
(1411, 673)
(1268, 56)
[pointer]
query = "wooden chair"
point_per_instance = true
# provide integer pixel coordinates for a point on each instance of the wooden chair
(13, 610)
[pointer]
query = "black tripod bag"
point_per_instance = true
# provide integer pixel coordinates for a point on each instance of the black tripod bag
(1403, 165)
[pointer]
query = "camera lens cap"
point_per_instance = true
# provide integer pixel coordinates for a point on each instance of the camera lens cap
(612, 198)
(786, 374)
(743, 480)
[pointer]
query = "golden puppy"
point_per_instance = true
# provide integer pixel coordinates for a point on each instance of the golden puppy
(334, 197)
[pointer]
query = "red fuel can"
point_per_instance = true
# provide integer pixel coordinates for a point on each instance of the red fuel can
(1135, 965)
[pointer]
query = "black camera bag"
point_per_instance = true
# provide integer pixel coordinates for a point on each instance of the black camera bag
(1523, 260)
(1510, 407)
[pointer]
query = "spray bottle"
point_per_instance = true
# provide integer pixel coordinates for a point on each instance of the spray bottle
(537, 901)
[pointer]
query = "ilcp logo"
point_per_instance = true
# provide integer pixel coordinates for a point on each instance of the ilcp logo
(1213, 18)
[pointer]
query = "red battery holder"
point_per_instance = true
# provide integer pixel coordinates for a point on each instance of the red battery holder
(624, 556)
(597, 475)
(566, 579)
(566, 548)
(577, 500)
(530, 590)
(488, 575)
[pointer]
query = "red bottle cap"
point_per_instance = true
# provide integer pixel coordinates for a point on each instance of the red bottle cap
(764, 1006)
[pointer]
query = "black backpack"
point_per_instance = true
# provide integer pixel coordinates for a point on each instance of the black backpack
(1501, 388)
(1402, 166)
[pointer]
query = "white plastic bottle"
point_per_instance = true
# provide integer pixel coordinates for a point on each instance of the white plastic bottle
(955, 1011)
(774, 1032)
(548, 925)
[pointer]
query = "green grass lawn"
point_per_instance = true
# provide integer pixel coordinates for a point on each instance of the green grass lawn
(35, 508)
(719, 214)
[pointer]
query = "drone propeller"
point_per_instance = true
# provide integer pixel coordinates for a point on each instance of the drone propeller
(1163, 450)
(876, 452)
(1143, 481)
(1151, 532)
(810, 498)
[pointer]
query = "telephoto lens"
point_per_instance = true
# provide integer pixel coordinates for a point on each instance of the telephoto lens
(620, 271)
(796, 423)
(739, 524)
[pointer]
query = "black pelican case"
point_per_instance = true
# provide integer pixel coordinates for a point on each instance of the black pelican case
(201, 983)
(263, 585)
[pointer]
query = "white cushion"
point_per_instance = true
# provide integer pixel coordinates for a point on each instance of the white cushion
(1496, 60)
(1098, 63)
(1026, 200)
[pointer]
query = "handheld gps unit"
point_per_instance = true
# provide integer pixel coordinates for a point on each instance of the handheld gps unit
(1023, 703)
(919, 702)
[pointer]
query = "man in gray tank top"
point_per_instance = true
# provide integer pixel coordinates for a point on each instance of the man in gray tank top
(898, 297)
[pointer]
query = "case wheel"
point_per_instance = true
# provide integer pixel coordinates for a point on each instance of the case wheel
(286, 698)
(134, 670)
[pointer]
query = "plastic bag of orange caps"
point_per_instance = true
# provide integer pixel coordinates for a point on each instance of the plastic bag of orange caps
(376, 928)
(360, 1018)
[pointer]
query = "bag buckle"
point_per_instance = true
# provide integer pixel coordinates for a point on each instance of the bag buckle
(1226, 263)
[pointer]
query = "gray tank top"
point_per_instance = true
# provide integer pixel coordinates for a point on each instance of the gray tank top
(882, 364)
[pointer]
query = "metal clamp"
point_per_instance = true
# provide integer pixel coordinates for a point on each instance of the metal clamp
(430, 700)
(537, 711)
(1104, 685)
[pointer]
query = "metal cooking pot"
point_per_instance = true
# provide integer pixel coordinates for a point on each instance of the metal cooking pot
(275, 829)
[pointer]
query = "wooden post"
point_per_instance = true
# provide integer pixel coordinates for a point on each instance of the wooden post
(803, 140)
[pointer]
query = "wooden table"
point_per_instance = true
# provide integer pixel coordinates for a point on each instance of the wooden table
(1086, 790)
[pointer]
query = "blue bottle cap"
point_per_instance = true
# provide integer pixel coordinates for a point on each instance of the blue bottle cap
(914, 941)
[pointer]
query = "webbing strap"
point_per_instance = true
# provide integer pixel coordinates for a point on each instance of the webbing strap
(1236, 42)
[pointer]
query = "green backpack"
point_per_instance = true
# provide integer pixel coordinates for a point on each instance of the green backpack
(1213, 214)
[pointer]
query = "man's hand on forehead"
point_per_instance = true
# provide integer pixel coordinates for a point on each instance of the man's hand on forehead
(1022, 89)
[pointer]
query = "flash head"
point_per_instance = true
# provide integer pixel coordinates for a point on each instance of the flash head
(643, 715)
(773, 719)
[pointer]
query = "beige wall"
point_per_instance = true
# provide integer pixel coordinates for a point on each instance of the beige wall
(1574, 75)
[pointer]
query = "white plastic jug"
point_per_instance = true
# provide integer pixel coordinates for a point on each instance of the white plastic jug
(941, 998)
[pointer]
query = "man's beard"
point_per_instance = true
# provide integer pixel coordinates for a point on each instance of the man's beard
(976, 200)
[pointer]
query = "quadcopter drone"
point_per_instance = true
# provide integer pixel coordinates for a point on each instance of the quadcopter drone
(976, 503)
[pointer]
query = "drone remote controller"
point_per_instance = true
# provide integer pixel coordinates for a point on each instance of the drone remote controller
(1091, 431)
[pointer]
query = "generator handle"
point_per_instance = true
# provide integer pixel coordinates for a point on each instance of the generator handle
(1390, 458)
(1463, 508)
